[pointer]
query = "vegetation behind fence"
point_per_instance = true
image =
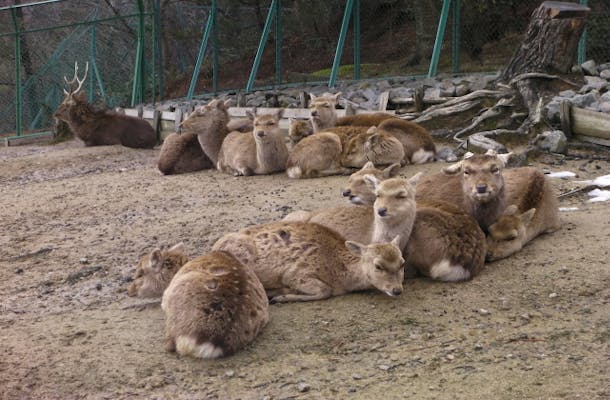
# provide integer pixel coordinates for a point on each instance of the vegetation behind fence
(142, 50)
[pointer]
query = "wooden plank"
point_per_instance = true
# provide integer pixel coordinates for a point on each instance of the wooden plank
(590, 123)
(384, 97)
(596, 140)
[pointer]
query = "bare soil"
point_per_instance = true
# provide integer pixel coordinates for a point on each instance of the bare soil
(75, 221)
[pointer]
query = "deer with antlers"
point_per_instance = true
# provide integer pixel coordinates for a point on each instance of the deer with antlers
(101, 127)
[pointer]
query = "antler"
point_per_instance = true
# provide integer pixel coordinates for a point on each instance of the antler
(75, 79)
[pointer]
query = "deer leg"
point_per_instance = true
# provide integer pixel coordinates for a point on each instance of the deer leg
(309, 290)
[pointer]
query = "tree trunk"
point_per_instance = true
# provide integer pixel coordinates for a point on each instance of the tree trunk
(551, 41)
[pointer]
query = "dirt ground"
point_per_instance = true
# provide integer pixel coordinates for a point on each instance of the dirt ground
(75, 221)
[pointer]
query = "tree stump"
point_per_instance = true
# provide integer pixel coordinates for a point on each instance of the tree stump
(551, 41)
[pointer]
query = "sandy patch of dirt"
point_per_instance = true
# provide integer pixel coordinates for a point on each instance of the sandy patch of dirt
(75, 221)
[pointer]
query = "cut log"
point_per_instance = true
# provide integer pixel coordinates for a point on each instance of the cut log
(551, 40)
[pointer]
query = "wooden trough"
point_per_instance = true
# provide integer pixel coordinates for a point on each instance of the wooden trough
(586, 125)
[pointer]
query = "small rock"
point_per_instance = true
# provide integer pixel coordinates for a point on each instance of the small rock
(525, 316)
(605, 107)
(553, 295)
(478, 346)
(504, 303)
(461, 90)
(589, 67)
(552, 141)
(19, 271)
(98, 286)
(605, 74)
(584, 100)
(483, 311)
(384, 367)
(230, 373)
(303, 387)
(356, 377)
(450, 357)
(83, 260)
(568, 94)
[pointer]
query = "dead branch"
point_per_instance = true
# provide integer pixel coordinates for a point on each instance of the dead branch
(532, 75)
(445, 111)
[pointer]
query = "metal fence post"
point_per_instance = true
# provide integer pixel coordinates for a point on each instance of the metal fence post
(136, 93)
(204, 44)
(214, 52)
(582, 43)
(278, 42)
(18, 99)
(456, 36)
(339, 51)
(356, 24)
(440, 33)
(261, 45)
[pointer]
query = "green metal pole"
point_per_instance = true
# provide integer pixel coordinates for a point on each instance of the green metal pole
(339, 51)
(92, 62)
(582, 43)
(153, 49)
(261, 46)
(136, 93)
(214, 52)
(204, 44)
(159, 47)
(18, 88)
(356, 22)
(278, 42)
(440, 33)
(456, 36)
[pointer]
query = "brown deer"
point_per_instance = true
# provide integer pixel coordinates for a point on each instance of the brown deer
(99, 128)
(214, 306)
(155, 270)
(299, 129)
(182, 153)
(315, 156)
(372, 145)
(209, 123)
(261, 152)
(509, 233)
(304, 262)
(416, 140)
(358, 190)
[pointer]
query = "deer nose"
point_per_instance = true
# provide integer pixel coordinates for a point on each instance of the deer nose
(396, 291)
(482, 188)
(382, 211)
(346, 192)
(260, 133)
(314, 113)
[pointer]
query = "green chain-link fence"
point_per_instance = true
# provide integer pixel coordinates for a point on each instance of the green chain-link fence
(391, 38)
(40, 43)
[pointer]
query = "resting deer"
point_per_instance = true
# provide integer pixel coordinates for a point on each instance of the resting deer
(416, 140)
(358, 189)
(324, 116)
(304, 262)
(261, 152)
(209, 123)
(99, 128)
(509, 233)
(299, 129)
(155, 271)
(372, 145)
(481, 187)
(214, 306)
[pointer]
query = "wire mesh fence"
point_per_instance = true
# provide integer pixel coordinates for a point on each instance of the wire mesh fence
(160, 39)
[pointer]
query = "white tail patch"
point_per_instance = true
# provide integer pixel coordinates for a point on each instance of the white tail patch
(444, 271)
(187, 346)
(294, 172)
(422, 156)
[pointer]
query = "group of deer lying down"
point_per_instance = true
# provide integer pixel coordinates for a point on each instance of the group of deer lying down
(442, 226)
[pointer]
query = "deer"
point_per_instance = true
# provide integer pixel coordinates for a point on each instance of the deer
(299, 129)
(315, 156)
(263, 151)
(358, 190)
(101, 127)
(181, 153)
(416, 140)
(299, 261)
(209, 122)
(481, 186)
(509, 233)
(155, 270)
(214, 306)
(324, 116)
(372, 145)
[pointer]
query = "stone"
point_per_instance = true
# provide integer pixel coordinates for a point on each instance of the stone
(461, 90)
(593, 83)
(568, 94)
(605, 74)
(432, 93)
(552, 141)
(605, 107)
(552, 110)
(400, 93)
(589, 67)
(584, 100)
(303, 387)
(446, 154)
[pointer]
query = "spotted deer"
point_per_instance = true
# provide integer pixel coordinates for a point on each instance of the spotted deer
(299, 261)
(417, 142)
(358, 191)
(509, 233)
(372, 145)
(263, 151)
(214, 306)
(101, 127)
(155, 271)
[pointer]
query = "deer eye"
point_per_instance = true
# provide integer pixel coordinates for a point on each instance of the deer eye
(401, 195)
(466, 172)
(378, 267)
(495, 170)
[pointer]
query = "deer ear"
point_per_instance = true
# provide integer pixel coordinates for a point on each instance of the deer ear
(396, 241)
(372, 129)
(415, 178)
(371, 181)
(373, 139)
(178, 248)
(527, 216)
(491, 152)
(391, 171)
(511, 210)
(368, 165)
(337, 95)
(228, 103)
(156, 260)
(251, 114)
(279, 114)
(453, 168)
(504, 158)
(312, 96)
(355, 248)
